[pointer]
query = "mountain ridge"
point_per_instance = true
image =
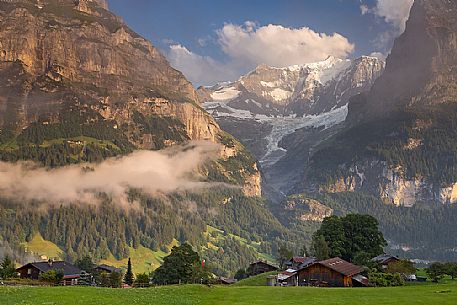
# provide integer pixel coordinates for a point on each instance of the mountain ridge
(293, 90)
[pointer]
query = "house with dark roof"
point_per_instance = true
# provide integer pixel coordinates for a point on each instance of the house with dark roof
(107, 268)
(385, 260)
(299, 262)
(33, 271)
(334, 272)
(260, 267)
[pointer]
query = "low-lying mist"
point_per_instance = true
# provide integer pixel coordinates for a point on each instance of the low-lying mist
(153, 172)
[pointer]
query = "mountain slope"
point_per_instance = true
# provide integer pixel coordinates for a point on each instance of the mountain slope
(80, 86)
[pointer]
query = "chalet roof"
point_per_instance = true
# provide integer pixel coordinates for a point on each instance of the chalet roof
(384, 258)
(307, 261)
(341, 266)
(361, 279)
(68, 269)
(108, 268)
(297, 259)
(286, 274)
(263, 263)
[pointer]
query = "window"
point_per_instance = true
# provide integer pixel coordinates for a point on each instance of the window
(29, 271)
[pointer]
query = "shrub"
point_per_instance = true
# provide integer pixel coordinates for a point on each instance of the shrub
(52, 276)
(378, 279)
(142, 280)
(436, 271)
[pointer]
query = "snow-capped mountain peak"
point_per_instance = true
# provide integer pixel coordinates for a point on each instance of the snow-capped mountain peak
(298, 90)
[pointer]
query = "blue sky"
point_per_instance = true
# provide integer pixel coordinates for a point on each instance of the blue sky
(218, 40)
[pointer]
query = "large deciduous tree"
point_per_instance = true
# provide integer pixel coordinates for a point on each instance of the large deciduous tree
(354, 237)
(182, 266)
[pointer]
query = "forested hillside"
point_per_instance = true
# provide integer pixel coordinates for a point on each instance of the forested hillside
(249, 229)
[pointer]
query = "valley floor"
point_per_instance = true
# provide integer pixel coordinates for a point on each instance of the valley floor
(427, 294)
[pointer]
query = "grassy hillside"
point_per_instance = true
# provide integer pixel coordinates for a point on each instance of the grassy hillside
(215, 236)
(37, 246)
(143, 259)
(443, 294)
(258, 280)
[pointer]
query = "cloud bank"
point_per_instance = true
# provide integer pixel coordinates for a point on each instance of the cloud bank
(280, 46)
(249, 45)
(151, 171)
(393, 12)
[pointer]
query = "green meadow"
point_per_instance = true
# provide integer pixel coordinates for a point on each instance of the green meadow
(428, 294)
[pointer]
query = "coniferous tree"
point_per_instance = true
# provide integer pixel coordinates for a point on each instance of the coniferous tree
(128, 278)
(7, 269)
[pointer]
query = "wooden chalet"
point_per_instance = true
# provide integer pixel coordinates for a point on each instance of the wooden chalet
(385, 260)
(260, 267)
(33, 271)
(334, 272)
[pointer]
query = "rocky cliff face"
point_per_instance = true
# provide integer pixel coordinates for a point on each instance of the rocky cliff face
(65, 61)
(56, 44)
(391, 185)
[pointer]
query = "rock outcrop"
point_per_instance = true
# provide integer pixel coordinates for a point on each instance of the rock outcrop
(306, 209)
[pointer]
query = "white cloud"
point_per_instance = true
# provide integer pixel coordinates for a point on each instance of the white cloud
(280, 46)
(249, 45)
(151, 171)
(393, 12)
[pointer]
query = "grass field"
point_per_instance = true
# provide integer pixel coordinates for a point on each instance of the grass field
(426, 294)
